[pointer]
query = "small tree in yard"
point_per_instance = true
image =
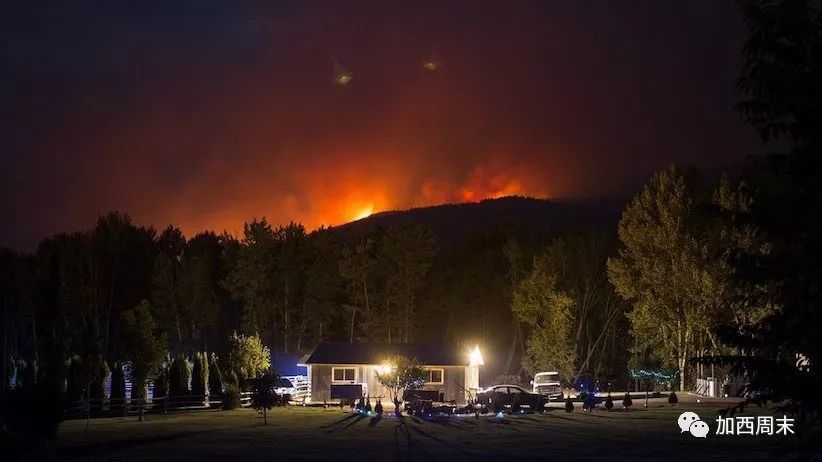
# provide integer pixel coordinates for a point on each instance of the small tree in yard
(672, 399)
(569, 405)
(609, 402)
(179, 373)
(142, 347)
(402, 374)
(263, 397)
(199, 378)
(215, 377)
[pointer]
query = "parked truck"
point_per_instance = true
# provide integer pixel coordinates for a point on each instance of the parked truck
(547, 383)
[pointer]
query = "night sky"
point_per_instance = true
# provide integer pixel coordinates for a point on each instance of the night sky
(205, 114)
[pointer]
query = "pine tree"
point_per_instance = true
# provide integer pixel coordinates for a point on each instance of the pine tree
(179, 376)
(215, 377)
(199, 377)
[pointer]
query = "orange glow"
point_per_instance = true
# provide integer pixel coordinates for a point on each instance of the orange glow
(335, 194)
(364, 213)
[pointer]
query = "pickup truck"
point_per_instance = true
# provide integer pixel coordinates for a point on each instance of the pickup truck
(547, 384)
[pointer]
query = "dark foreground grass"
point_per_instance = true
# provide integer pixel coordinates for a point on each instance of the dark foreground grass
(313, 433)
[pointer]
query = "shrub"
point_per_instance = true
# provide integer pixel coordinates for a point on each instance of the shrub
(609, 403)
(378, 407)
(672, 399)
(231, 398)
(215, 377)
(118, 388)
(627, 401)
(199, 377)
(569, 405)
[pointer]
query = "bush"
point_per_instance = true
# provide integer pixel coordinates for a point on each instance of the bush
(569, 405)
(35, 410)
(231, 398)
(609, 402)
(215, 377)
(672, 399)
(118, 388)
(627, 401)
(199, 377)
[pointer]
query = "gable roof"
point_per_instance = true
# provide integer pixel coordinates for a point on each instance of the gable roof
(378, 353)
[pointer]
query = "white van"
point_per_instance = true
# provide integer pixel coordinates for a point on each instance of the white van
(547, 383)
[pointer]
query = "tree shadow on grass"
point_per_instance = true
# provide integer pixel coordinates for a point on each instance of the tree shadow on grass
(374, 421)
(108, 447)
(459, 424)
(412, 443)
(341, 421)
(348, 423)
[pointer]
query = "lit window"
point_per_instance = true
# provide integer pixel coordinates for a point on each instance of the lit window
(435, 376)
(343, 374)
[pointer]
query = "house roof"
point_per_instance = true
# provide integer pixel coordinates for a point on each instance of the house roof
(378, 353)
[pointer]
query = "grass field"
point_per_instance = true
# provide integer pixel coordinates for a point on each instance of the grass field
(296, 433)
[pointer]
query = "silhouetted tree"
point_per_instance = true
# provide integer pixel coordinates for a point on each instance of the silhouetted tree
(199, 376)
(215, 376)
(143, 348)
(263, 397)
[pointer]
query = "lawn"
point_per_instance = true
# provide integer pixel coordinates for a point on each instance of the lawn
(316, 433)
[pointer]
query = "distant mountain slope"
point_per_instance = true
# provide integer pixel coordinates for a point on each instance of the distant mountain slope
(450, 222)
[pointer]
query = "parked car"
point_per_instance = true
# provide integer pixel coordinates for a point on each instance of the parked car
(547, 383)
(293, 388)
(507, 395)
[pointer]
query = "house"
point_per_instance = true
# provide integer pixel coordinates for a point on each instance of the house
(337, 370)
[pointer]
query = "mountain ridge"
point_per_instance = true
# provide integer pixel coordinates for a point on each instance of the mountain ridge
(451, 221)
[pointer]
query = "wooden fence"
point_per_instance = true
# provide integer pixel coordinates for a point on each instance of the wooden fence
(131, 406)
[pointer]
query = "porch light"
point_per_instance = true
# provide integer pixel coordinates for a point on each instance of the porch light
(385, 368)
(475, 357)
